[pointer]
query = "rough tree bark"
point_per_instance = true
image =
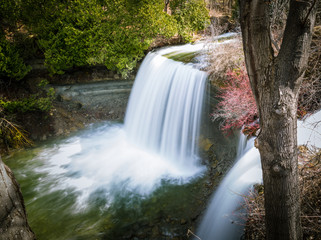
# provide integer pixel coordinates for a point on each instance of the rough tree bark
(275, 80)
(13, 219)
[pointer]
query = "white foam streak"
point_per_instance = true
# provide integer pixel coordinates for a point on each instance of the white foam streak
(171, 128)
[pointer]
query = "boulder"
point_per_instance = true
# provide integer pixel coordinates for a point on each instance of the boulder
(13, 217)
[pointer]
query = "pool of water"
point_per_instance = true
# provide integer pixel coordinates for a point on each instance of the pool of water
(67, 195)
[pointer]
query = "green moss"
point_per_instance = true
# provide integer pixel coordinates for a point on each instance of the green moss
(182, 57)
(11, 63)
(35, 102)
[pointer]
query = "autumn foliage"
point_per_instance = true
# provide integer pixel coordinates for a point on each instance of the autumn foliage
(237, 107)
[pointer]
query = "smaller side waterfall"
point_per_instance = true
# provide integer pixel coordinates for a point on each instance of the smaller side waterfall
(222, 220)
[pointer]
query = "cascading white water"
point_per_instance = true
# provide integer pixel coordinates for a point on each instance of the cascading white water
(165, 108)
(157, 142)
(222, 219)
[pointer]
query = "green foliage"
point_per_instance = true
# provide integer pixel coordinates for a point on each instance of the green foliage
(190, 16)
(68, 48)
(115, 33)
(235, 11)
(122, 39)
(11, 64)
(35, 102)
(9, 13)
(64, 30)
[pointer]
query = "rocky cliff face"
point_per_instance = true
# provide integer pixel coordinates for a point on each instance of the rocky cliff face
(83, 96)
(13, 220)
(108, 97)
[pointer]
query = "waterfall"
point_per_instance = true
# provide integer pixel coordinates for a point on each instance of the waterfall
(156, 144)
(164, 110)
(222, 220)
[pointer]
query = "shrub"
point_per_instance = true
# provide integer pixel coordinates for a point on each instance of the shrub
(223, 57)
(190, 16)
(251, 129)
(237, 106)
(36, 102)
(11, 64)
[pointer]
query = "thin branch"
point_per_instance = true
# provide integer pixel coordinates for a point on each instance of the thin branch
(309, 12)
(189, 232)
(14, 131)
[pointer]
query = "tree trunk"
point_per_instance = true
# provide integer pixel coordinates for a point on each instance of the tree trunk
(166, 2)
(275, 80)
(277, 144)
(13, 218)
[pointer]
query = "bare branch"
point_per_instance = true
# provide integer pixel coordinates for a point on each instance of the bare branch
(256, 39)
(297, 36)
(189, 232)
(309, 12)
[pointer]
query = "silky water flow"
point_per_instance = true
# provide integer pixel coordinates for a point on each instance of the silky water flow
(224, 218)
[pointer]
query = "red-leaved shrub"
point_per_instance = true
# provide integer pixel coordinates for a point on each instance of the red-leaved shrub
(237, 106)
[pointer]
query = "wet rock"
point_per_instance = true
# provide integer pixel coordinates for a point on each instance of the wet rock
(13, 217)
(60, 132)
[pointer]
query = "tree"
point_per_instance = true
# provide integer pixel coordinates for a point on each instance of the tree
(115, 33)
(166, 2)
(11, 62)
(190, 16)
(75, 33)
(275, 74)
